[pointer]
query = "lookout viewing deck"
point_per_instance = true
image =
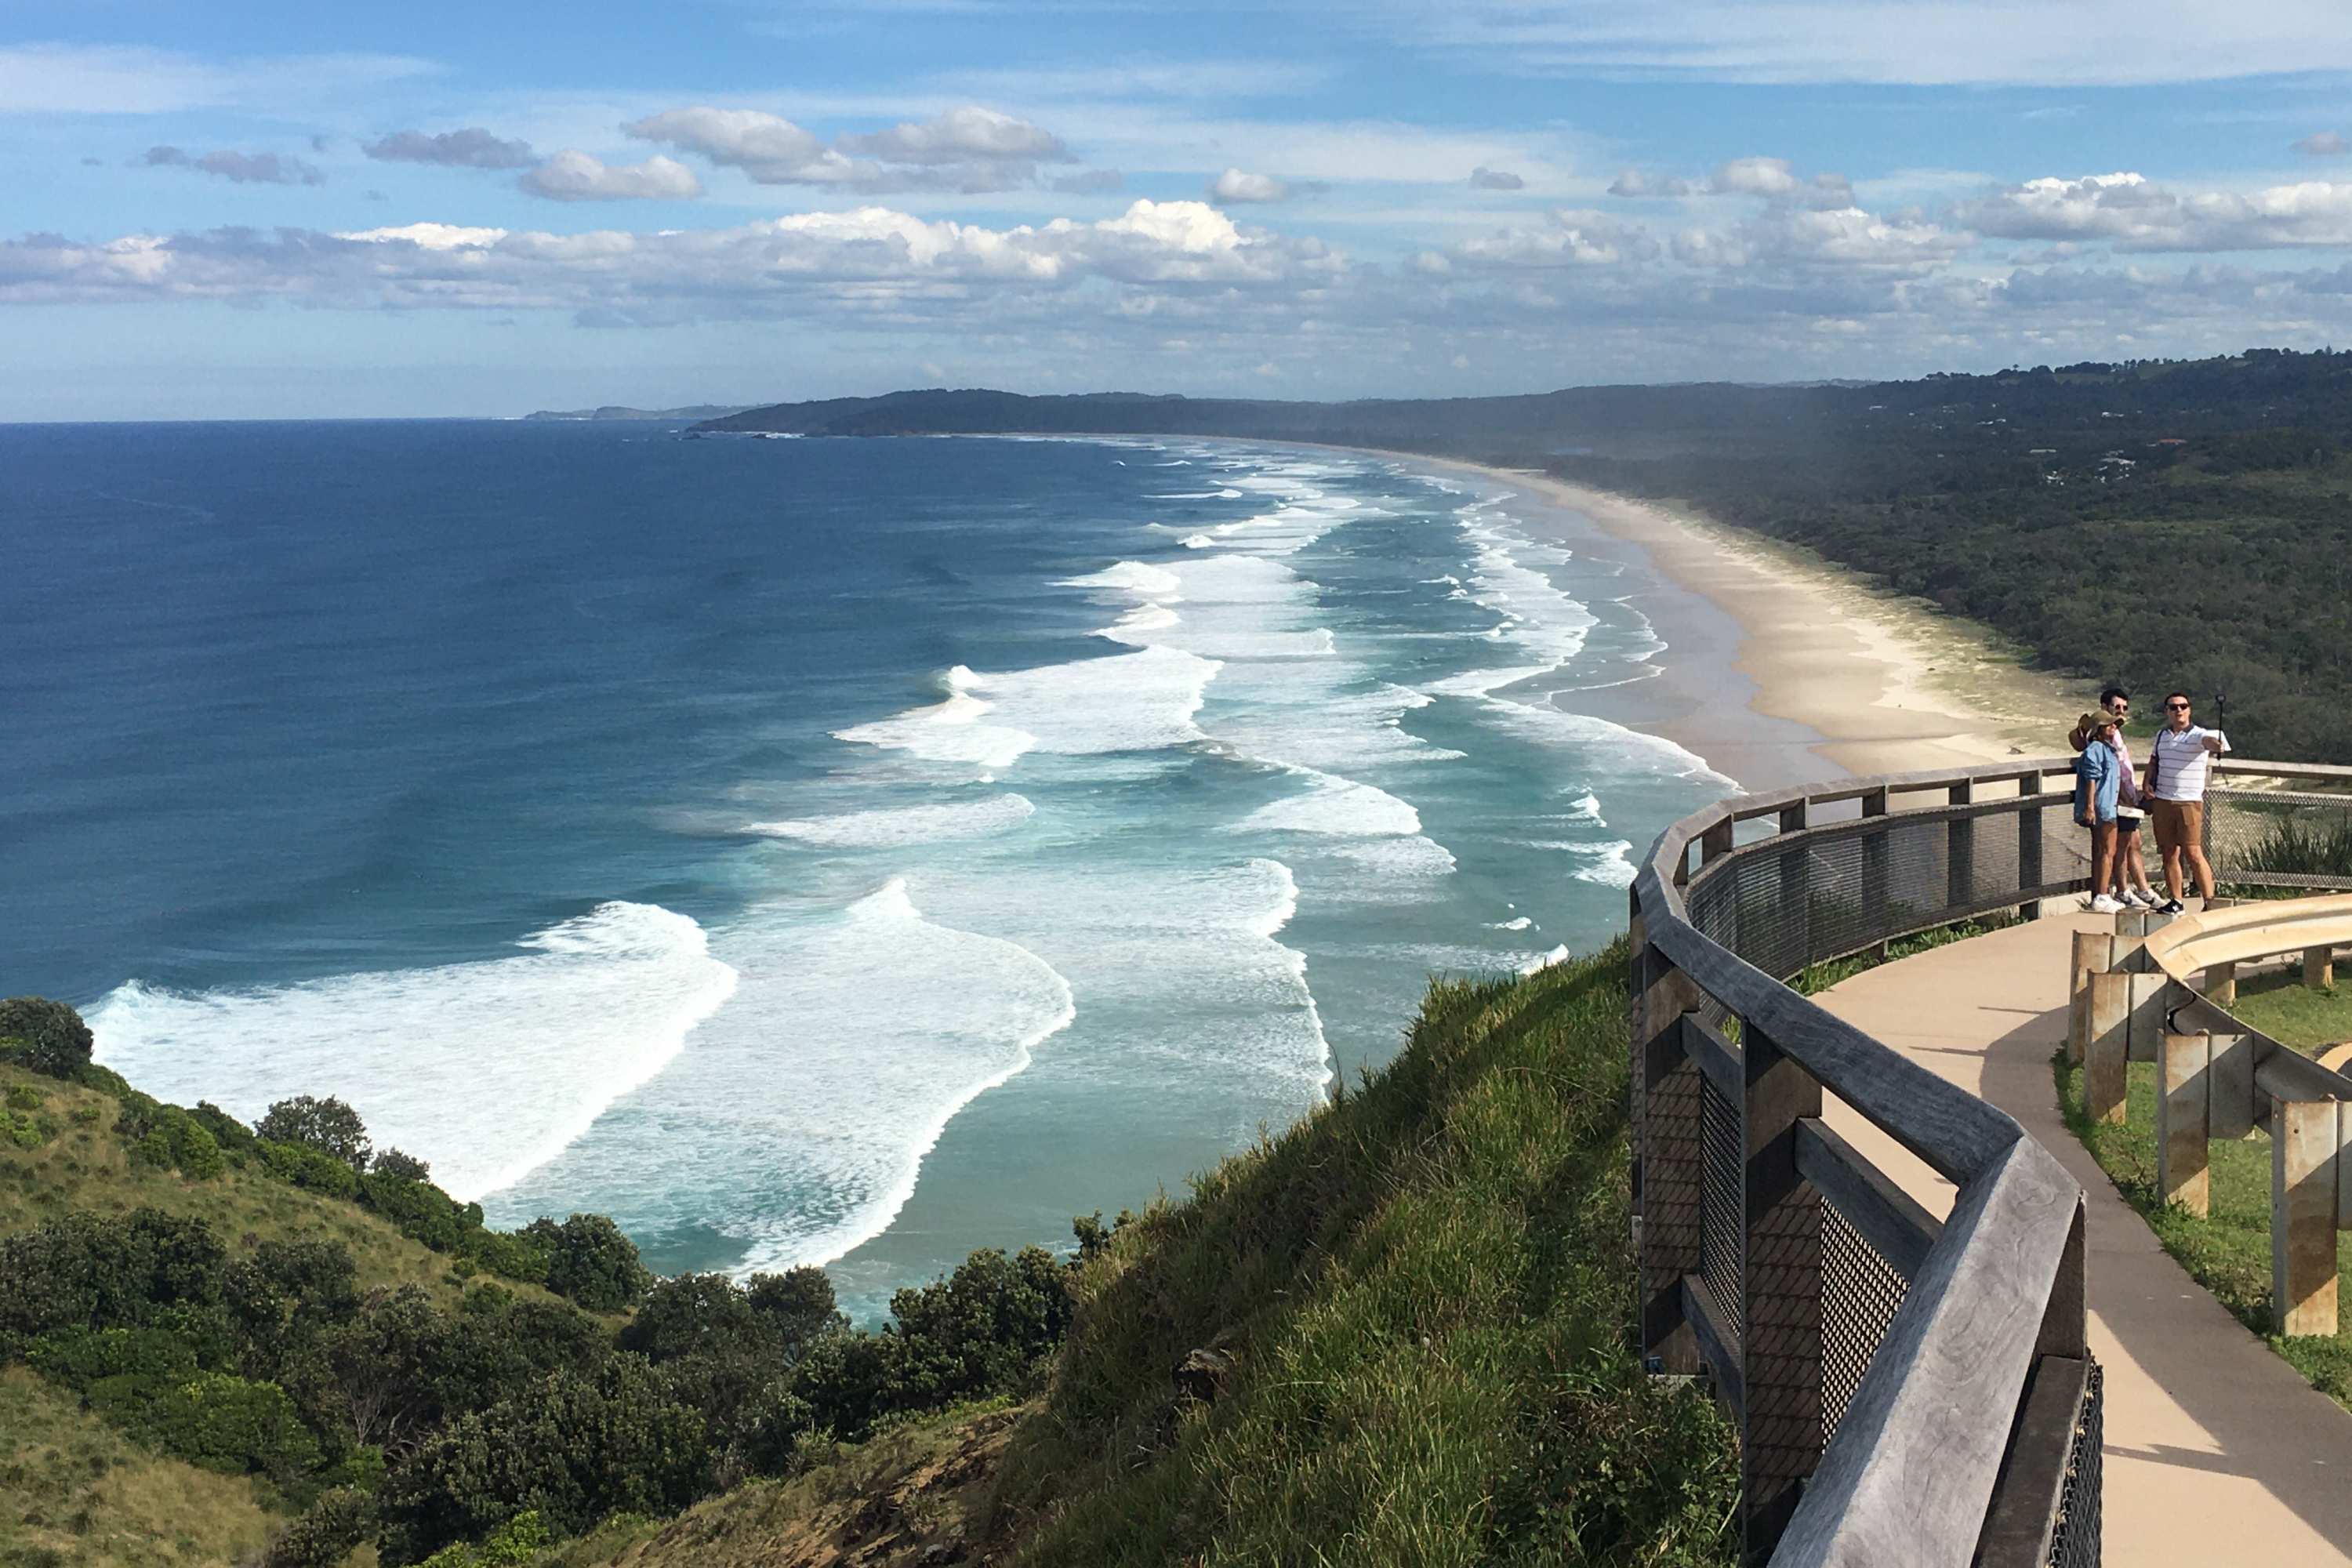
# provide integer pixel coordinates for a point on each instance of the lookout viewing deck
(2216, 1451)
(1864, 1223)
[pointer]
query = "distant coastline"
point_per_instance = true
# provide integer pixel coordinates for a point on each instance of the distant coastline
(1887, 684)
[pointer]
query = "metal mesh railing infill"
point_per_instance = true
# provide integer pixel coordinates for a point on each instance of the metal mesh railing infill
(2074, 1534)
(1790, 1267)
(2283, 838)
(1860, 1292)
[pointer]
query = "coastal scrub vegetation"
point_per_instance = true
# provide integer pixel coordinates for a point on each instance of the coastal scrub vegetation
(1399, 1331)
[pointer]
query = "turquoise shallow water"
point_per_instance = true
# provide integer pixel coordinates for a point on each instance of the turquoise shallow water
(852, 852)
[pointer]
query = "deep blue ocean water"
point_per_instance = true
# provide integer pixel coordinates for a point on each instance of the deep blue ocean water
(843, 851)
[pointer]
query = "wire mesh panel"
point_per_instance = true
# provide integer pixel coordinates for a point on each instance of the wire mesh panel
(2285, 838)
(1860, 1291)
(2074, 1534)
(1722, 1202)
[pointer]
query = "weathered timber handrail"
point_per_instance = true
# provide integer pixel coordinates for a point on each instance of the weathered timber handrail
(2220, 1078)
(1739, 1185)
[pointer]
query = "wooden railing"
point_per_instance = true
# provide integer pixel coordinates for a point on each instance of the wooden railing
(1907, 1391)
(2138, 998)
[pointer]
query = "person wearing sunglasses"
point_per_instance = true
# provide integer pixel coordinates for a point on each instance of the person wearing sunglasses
(2179, 760)
(2130, 886)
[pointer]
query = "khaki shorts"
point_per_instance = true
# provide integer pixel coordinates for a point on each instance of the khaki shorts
(2180, 824)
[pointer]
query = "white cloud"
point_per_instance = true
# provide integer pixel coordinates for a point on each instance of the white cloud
(1773, 178)
(2133, 214)
(471, 148)
(963, 135)
(967, 149)
(2083, 43)
(244, 168)
(1485, 179)
(1091, 182)
(2325, 144)
(1233, 185)
(1572, 239)
(1635, 184)
(574, 176)
(854, 261)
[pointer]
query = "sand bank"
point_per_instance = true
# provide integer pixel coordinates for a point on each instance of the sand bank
(1834, 675)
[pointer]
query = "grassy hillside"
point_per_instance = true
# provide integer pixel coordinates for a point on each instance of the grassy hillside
(74, 1491)
(1397, 1333)
(85, 1168)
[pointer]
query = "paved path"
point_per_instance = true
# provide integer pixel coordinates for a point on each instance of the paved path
(2216, 1451)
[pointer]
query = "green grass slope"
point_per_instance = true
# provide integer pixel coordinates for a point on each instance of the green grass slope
(1412, 1317)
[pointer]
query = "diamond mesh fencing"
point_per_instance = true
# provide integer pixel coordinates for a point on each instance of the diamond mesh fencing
(2279, 838)
(1803, 898)
(1723, 1158)
(2074, 1534)
(1860, 1291)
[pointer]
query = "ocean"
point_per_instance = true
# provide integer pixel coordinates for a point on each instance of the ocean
(845, 852)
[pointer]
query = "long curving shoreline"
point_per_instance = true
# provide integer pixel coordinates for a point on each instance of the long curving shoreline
(1834, 674)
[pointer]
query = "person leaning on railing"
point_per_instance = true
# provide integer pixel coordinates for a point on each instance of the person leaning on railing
(2098, 782)
(2178, 760)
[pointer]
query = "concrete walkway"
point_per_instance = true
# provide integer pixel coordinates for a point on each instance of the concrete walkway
(2216, 1451)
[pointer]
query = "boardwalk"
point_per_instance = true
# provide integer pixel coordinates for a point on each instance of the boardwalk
(2216, 1451)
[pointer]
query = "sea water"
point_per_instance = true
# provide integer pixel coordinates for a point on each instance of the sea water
(842, 852)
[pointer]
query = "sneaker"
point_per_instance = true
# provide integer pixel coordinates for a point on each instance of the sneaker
(2104, 905)
(2171, 906)
(2133, 898)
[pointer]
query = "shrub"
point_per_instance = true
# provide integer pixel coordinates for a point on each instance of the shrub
(403, 1167)
(310, 1169)
(218, 1421)
(590, 1260)
(48, 1037)
(80, 1357)
(574, 1449)
(518, 1540)
(23, 1097)
(23, 1128)
(327, 1125)
(91, 1271)
(339, 1521)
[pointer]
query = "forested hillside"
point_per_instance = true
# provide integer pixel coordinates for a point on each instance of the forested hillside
(2159, 522)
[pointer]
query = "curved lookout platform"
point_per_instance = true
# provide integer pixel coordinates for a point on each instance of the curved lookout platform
(1945, 1336)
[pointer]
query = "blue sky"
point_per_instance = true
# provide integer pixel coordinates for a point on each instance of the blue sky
(262, 210)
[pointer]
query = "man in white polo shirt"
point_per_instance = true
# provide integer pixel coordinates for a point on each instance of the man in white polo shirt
(2178, 760)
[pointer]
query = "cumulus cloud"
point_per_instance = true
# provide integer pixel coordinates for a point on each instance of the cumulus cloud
(852, 262)
(2325, 144)
(2133, 214)
(245, 168)
(1773, 179)
(1236, 185)
(961, 136)
(1845, 238)
(1635, 184)
(471, 148)
(1572, 239)
(967, 149)
(1487, 179)
(574, 176)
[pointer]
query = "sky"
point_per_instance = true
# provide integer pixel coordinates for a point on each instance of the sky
(213, 209)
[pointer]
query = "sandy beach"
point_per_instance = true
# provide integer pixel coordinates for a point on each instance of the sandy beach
(1831, 674)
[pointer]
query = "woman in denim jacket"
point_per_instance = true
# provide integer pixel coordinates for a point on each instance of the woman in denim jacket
(2098, 779)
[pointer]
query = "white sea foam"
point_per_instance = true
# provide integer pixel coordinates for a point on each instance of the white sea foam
(797, 1120)
(1336, 805)
(1199, 495)
(1545, 961)
(1135, 701)
(1133, 577)
(907, 824)
(1198, 542)
(1522, 923)
(486, 1070)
